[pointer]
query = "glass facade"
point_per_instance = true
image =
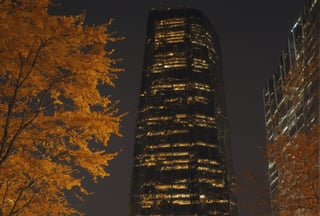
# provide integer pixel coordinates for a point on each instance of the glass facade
(181, 160)
(291, 97)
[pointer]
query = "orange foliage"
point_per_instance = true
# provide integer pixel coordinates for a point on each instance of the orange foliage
(297, 163)
(51, 111)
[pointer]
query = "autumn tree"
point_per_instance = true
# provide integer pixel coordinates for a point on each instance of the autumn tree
(297, 164)
(54, 123)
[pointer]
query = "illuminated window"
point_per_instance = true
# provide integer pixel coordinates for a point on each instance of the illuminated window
(199, 65)
(181, 202)
(168, 37)
(207, 161)
(201, 86)
(203, 121)
(208, 169)
(198, 99)
(180, 144)
(171, 62)
(218, 183)
(171, 22)
(167, 87)
(204, 144)
(159, 146)
(176, 167)
(166, 132)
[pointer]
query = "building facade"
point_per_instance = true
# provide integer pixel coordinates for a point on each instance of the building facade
(291, 97)
(182, 163)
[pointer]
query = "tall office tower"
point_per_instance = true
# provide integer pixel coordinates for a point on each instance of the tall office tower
(181, 162)
(291, 97)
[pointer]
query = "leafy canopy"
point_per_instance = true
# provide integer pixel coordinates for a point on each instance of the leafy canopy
(54, 123)
(297, 164)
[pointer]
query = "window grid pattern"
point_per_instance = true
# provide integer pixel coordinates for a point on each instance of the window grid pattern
(180, 163)
(291, 96)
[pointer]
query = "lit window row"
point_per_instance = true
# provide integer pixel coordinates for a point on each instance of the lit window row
(207, 161)
(167, 145)
(146, 164)
(200, 36)
(170, 87)
(201, 86)
(204, 144)
(182, 86)
(203, 121)
(163, 86)
(167, 154)
(179, 116)
(171, 22)
(146, 203)
(220, 201)
(181, 181)
(181, 202)
(167, 132)
(179, 154)
(165, 196)
(169, 63)
(210, 201)
(175, 63)
(208, 122)
(169, 37)
(183, 144)
(148, 108)
(196, 28)
(174, 100)
(213, 182)
(202, 124)
(148, 160)
(170, 162)
(204, 117)
(161, 56)
(198, 99)
(158, 146)
(182, 161)
(208, 169)
(174, 196)
(200, 40)
(169, 34)
(199, 64)
(159, 118)
(172, 166)
(174, 186)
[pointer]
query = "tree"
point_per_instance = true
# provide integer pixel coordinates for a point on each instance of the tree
(254, 193)
(54, 123)
(297, 164)
(253, 187)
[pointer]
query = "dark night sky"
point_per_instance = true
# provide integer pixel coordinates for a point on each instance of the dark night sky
(252, 34)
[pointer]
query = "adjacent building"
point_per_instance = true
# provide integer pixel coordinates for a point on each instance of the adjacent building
(182, 163)
(291, 97)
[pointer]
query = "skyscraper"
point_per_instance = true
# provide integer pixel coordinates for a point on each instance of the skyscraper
(291, 96)
(182, 163)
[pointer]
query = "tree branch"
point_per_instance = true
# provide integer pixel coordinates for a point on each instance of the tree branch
(21, 191)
